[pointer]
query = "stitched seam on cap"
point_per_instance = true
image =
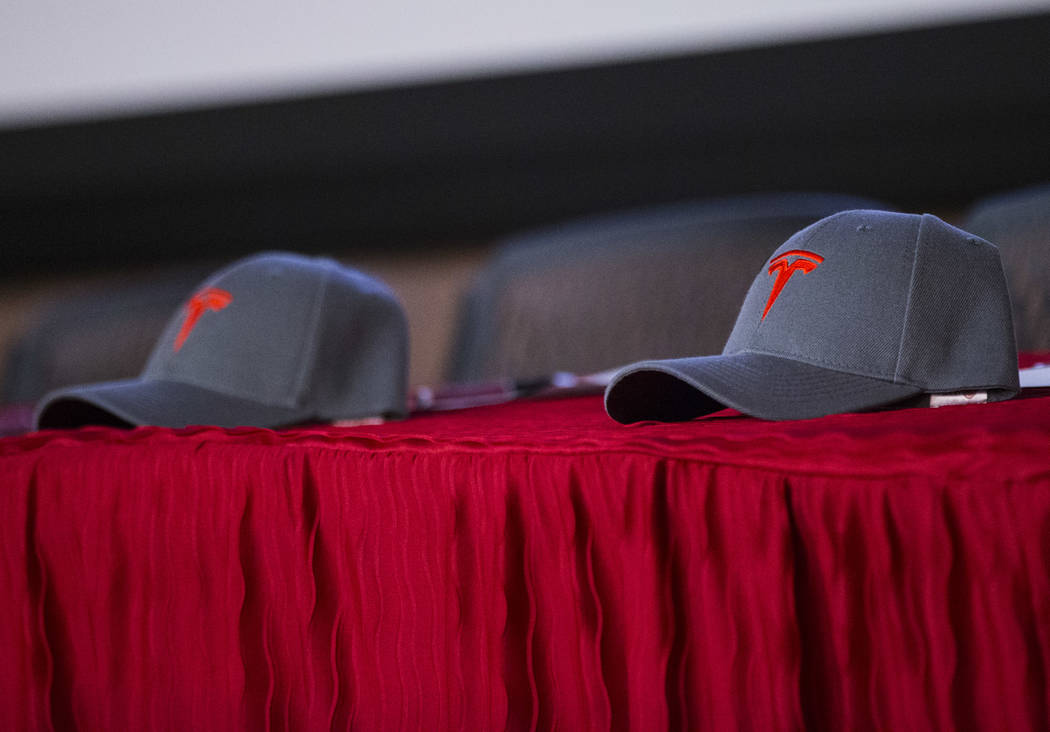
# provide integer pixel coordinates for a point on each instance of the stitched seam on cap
(308, 362)
(220, 390)
(907, 304)
(832, 365)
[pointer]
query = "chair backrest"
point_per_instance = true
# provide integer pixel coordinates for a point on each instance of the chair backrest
(592, 294)
(103, 334)
(1018, 223)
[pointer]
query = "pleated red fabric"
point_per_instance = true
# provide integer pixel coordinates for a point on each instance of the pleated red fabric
(533, 566)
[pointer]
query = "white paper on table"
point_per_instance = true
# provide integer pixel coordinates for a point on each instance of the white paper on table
(1033, 376)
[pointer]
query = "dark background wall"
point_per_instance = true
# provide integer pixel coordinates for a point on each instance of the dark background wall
(923, 118)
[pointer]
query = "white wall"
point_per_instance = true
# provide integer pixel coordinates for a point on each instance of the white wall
(65, 59)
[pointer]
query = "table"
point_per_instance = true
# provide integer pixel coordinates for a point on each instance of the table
(533, 565)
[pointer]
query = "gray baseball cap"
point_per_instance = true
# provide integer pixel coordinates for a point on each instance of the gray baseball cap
(859, 310)
(271, 340)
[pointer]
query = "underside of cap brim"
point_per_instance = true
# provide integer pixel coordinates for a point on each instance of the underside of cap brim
(133, 402)
(761, 385)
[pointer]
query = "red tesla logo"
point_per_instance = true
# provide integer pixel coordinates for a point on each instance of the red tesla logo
(210, 298)
(806, 263)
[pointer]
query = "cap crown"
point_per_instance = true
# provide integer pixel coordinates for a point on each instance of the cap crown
(290, 331)
(899, 297)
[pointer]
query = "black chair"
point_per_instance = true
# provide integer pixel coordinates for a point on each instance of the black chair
(592, 294)
(1018, 223)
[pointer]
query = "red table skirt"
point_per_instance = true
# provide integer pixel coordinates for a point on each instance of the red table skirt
(533, 566)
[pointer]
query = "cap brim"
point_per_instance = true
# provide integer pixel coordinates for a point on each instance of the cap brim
(769, 387)
(132, 402)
